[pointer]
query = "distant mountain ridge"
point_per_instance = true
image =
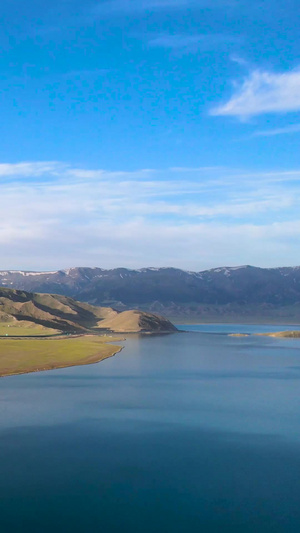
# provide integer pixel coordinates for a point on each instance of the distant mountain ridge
(225, 292)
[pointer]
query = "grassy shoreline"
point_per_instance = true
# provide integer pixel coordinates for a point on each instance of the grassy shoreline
(26, 355)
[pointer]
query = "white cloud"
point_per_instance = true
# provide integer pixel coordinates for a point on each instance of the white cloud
(137, 243)
(264, 92)
(294, 128)
(31, 168)
(36, 169)
(191, 218)
(108, 174)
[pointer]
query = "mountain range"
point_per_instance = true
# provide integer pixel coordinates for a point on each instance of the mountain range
(225, 293)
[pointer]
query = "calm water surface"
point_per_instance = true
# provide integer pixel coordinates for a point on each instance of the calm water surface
(196, 432)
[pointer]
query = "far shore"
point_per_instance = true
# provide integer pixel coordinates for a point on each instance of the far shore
(259, 321)
(281, 334)
(289, 334)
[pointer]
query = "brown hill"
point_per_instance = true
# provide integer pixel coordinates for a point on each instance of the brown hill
(65, 314)
(137, 321)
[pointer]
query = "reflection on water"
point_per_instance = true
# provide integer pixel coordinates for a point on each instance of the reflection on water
(194, 431)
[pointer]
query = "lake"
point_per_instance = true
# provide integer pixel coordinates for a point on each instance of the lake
(191, 432)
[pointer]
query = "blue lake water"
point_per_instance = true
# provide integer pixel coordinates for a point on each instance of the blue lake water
(195, 431)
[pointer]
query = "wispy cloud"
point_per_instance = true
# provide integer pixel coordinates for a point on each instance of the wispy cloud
(294, 128)
(188, 43)
(235, 58)
(263, 92)
(31, 169)
(189, 217)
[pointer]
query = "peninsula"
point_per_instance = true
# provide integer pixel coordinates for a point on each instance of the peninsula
(46, 331)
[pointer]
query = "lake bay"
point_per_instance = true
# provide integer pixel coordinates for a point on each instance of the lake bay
(195, 431)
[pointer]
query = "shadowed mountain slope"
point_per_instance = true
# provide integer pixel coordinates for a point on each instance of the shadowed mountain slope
(220, 292)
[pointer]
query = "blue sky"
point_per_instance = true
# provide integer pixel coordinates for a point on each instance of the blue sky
(149, 133)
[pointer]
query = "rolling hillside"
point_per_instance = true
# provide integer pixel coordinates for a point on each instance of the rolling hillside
(65, 314)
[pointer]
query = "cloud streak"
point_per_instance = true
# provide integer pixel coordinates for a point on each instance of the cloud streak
(189, 43)
(263, 92)
(31, 168)
(294, 128)
(55, 216)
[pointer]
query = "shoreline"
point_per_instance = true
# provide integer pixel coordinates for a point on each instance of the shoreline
(104, 351)
(197, 322)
